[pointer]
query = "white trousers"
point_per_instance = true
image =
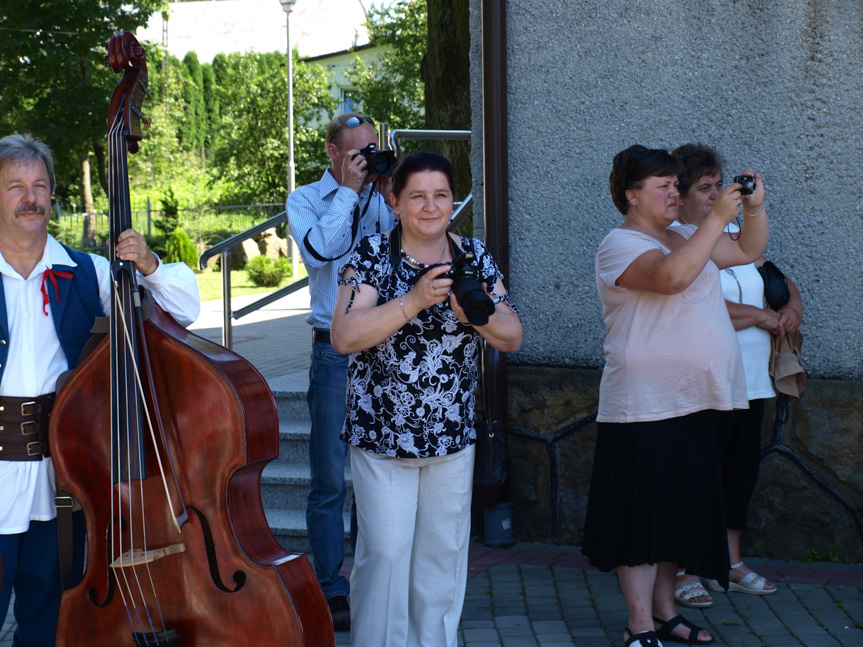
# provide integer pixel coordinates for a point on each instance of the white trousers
(410, 568)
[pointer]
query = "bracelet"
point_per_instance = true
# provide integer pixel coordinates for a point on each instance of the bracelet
(402, 304)
(753, 215)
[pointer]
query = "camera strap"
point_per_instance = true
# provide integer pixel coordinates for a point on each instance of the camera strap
(354, 228)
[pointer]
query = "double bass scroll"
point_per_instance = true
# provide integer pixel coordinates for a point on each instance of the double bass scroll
(162, 436)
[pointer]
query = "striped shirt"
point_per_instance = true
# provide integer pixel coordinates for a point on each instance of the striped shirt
(324, 211)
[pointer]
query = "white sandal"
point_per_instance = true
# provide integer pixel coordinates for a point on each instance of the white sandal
(752, 583)
(641, 639)
(684, 596)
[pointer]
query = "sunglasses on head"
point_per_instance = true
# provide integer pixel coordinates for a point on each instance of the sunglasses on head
(353, 122)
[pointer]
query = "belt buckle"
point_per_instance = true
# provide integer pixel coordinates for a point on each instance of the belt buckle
(29, 423)
(27, 404)
(35, 452)
(63, 501)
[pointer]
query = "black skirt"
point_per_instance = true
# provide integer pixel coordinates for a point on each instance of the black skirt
(740, 456)
(656, 496)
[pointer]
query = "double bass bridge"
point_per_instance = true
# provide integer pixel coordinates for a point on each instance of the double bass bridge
(139, 556)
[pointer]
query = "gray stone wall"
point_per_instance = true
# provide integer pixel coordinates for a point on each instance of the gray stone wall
(808, 502)
(774, 85)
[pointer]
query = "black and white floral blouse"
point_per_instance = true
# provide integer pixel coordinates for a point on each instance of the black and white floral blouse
(412, 395)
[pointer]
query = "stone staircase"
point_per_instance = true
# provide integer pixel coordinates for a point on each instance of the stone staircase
(285, 481)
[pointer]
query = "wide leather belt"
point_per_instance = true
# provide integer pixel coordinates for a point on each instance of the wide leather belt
(321, 335)
(24, 427)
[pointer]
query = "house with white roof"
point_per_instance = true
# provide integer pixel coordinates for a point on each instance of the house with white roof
(327, 31)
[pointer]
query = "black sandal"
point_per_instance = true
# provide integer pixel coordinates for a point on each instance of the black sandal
(667, 626)
(641, 639)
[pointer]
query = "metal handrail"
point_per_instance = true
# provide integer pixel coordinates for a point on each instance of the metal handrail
(236, 239)
(433, 135)
(299, 284)
(224, 249)
(462, 211)
(465, 208)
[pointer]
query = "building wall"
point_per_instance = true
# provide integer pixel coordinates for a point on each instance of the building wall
(208, 27)
(339, 64)
(773, 85)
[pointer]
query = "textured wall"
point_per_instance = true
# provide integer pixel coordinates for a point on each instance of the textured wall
(774, 85)
(808, 501)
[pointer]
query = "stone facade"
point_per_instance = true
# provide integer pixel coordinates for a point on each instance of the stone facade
(808, 502)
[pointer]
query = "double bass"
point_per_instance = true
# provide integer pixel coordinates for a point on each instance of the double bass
(162, 437)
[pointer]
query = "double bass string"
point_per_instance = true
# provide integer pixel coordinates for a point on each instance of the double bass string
(117, 539)
(122, 305)
(115, 425)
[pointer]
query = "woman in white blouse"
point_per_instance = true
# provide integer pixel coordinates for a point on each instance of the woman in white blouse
(743, 288)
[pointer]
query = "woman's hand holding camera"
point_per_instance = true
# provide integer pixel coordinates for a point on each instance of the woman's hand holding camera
(752, 197)
(431, 289)
(747, 192)
(727, 205)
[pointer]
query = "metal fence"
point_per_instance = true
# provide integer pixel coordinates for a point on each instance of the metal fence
(207, 225)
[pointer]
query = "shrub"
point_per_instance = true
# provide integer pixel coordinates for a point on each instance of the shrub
(170, 218)
(180, 247)
(267, 272)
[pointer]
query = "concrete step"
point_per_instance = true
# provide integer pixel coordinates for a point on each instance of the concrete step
(289, 529)
(290, 394)
(285, 481)
(294, 442)
(286, 486)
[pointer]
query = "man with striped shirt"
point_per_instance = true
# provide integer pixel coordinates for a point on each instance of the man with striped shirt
(328, 218)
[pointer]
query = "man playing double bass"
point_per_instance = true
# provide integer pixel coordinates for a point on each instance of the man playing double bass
(50, 296)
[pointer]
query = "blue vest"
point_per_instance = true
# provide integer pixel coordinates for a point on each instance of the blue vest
(74, 306)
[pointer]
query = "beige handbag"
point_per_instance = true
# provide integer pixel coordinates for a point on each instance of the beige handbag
(786, 366)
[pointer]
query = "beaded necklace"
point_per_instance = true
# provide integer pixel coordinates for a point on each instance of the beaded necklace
(420, 264)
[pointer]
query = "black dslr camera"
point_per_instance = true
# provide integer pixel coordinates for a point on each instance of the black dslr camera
(380, 163)
(747, 183)
(477, 305)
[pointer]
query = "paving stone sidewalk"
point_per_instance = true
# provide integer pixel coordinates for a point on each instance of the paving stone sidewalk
(548, 596)
(539, 595)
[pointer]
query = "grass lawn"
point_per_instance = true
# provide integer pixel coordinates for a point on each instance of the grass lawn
(210, 284)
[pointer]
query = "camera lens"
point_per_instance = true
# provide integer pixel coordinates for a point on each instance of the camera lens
(477, 305)
(380, 165)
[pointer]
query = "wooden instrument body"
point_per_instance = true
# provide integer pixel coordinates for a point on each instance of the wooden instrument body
(231, 583)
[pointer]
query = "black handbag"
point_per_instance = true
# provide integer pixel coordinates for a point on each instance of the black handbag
(490, 464)
(775, 285)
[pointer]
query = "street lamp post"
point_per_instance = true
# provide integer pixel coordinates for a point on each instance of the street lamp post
(288, 6)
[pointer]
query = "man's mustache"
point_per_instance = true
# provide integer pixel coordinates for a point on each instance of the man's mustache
(30, 207)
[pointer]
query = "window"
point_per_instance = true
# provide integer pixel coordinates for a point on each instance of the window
(349, 100)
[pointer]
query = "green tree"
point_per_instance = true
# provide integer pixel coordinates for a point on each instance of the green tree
(391, 89)
(211, 106)
(170, 219)
(193, 129)
(54, 81)
(252, 155)
(161, 163)
(446, 76)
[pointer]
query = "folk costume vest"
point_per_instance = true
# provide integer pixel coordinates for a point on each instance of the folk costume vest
(75, 304)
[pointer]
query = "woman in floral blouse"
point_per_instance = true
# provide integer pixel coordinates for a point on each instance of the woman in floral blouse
(410, 419)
